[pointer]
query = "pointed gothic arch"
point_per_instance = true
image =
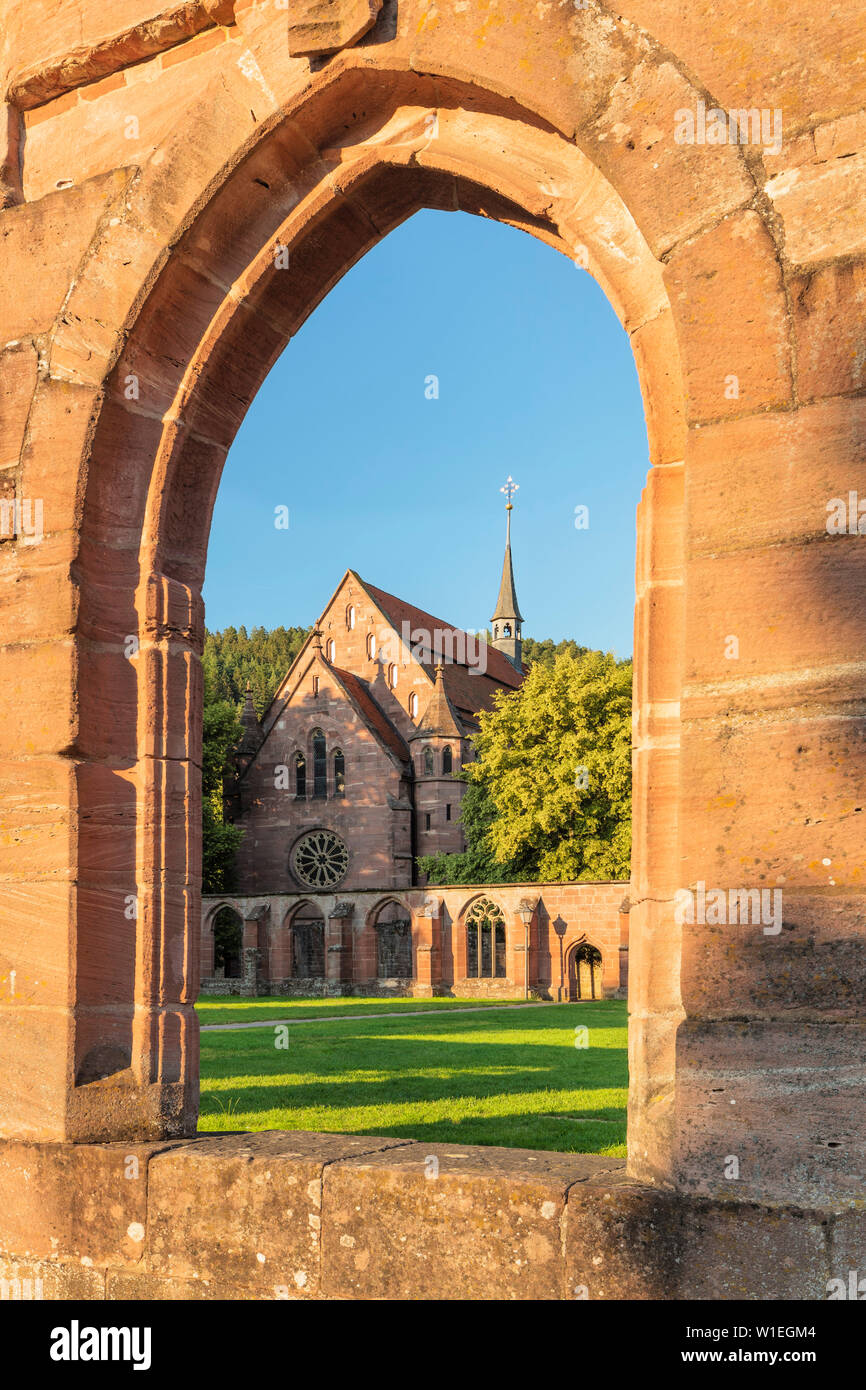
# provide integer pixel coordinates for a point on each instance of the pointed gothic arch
(197, 228)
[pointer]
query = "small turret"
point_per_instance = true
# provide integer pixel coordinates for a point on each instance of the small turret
(252, 735)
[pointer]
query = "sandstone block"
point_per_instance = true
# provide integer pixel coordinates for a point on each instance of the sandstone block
(245, 1208)
(450, 1222)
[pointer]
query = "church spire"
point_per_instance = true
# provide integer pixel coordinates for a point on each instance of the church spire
(507, 619)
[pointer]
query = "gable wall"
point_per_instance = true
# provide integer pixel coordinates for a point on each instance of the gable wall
(378, 837)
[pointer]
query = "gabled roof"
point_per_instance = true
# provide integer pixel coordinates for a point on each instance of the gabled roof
(470, 685)
(397, 611)
(469, 691)
(372, 713)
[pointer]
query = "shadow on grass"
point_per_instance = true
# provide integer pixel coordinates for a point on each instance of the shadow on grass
(337, 1077)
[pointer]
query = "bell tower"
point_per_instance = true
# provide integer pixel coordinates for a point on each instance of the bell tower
(507, 620)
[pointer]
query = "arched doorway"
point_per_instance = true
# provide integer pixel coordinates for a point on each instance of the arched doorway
(308, 944)
(393, 943)
(584, 972)
(228, 944)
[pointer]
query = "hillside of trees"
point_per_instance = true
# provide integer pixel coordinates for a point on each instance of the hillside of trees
(232, 657)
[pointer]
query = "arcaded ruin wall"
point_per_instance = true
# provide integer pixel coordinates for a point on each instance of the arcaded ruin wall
(152, 157)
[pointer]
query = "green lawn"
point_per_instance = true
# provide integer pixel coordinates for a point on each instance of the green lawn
(509, 1077)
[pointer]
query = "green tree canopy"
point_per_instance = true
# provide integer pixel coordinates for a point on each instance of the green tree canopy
(221, 732)
(549, 794)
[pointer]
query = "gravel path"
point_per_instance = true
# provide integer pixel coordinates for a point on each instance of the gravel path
(359, 1018)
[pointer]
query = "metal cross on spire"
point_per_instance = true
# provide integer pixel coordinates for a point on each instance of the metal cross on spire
(510, 488)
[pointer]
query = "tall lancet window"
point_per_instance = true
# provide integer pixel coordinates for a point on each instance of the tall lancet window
(300, 775)
(446, 760)
(339, 774)
(320, 764)
(428, 762)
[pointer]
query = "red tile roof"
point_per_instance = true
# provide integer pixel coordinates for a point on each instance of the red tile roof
(373, 713)
(498, 667)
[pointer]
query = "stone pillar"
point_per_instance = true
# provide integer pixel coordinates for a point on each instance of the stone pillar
(426, 930)
(770, 1057)
(100, 955)
(254, 949)
(338, 948)
(655, 1005)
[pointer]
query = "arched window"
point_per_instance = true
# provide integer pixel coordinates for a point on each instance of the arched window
(308, 945)
(339, 774)
(446, 759)
(392, 676)
(320, 764)
(393, 943)
(506, 631)
(331, 649)
(413, 706)
(485, 941)
(371, 645)
(300, 775)
(228, 942)
(428, 762)
(350, 616)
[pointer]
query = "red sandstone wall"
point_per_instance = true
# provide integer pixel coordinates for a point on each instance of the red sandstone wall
(563, 916)
(139, 219)
(377, 835)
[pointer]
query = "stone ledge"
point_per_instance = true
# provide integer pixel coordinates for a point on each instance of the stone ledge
(290, 1215)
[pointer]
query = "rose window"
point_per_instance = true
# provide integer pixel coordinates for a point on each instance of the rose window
(320, 859)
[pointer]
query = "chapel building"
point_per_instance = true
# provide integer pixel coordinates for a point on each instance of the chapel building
(349, 776)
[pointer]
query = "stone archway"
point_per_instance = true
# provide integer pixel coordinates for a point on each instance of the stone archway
(393, 927)
(584, 969)
(140, 357)
(228, 931)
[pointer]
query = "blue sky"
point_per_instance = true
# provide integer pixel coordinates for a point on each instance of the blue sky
(536, 379)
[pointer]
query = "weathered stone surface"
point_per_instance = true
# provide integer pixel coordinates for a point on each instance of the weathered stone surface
(732, 1251)
(51, 1280)
(326, 26)
(50, 238)
(822, 206)
(731, 1076)
(621, 1240)
(448, 1222)
(85, 1202)
(154, 251)
(52, 58)
(707, 279)
(848, 1253)
(245, 1209)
